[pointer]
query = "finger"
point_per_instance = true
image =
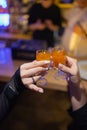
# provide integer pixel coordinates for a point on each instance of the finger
(40, 63)
(33, 71)
(64, 68)
(28, 81)
(34, 64)
(73, 70)
(70, 58)
(35, 78)
(70, 61)
(35, 88)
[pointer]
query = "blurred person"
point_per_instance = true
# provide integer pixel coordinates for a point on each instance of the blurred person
(77, 93)
(44, 19)
(25, 77)
(75, 17)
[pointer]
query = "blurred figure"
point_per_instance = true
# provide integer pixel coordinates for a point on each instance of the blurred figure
(77, 93)
(44, 19)
(77, 16)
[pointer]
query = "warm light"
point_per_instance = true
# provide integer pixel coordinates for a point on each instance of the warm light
(78, 45)
(76, 38)
(72, 44)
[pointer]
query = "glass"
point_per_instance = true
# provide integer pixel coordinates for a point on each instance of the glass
(59, 56)
(43, 55)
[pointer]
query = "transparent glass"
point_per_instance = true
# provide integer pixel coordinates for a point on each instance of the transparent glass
(59, 56)
(43, 55)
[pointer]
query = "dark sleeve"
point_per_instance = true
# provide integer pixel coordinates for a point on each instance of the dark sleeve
(58, 16)
(80, 117)
(10, 94)
(33, 14)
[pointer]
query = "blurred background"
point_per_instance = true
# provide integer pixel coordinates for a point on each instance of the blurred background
(33, 111)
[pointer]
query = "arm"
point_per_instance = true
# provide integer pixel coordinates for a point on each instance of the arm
(37, 26)
(55, 23)
(22, 79)
(10, 94)
(76, 89)
(50, 25)
(77, 94)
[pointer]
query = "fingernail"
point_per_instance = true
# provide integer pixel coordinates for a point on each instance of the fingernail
(47, 69)
(46, 61)
(68, 79)
(60, 66)
(41, 90)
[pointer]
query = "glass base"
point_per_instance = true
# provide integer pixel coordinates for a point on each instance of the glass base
(60, 75)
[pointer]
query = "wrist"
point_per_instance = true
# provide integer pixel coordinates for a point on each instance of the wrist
(18, 82)
(14, 87)
(74, 79)
(74, 85)
(76, 92)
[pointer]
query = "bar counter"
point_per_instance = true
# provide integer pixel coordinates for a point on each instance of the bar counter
(14, 36)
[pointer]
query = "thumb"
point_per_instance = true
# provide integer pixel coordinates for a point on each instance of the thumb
(64, 68)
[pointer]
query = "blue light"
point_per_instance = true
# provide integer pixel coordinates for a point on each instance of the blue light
(3, 3)
(4, 19)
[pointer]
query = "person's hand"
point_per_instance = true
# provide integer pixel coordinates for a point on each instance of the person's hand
(31, 72)
(71, 67)
(51, 26)
(40, 25)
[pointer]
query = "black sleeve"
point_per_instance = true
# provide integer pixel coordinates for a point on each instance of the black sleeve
(10, 94)
(80, 117)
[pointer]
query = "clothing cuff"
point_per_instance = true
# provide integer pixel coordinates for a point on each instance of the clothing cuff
(14, 86)
(18, 82)
(79, 112)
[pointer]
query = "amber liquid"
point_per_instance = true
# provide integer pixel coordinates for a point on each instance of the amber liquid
(58, 56)
(42, 55)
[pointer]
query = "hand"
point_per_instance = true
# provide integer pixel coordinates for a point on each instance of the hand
(71, 69)
(32, 69)
(40, 25)
(71, 66)
(51, 26)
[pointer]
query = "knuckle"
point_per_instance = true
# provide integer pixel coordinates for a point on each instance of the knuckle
(35, 62)
(23, 66)
(40, 68)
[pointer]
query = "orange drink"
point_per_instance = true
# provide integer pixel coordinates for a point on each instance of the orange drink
(42, 55)
(58, 56)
